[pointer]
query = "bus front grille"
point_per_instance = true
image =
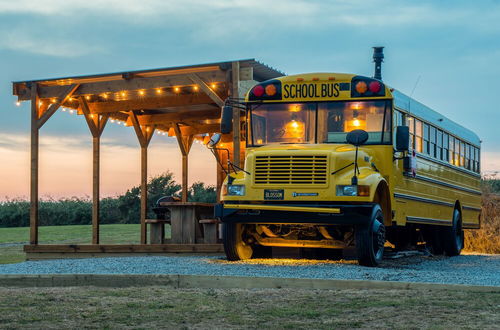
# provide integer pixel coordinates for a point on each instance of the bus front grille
(291, 170)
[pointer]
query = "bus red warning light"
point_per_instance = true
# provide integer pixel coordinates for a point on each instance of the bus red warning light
(374, 87)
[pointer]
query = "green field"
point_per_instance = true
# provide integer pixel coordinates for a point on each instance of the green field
(160, 307)
(13, 239)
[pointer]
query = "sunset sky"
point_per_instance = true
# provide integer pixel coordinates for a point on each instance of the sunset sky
(452, 48)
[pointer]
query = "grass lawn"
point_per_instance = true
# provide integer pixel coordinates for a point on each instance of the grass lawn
(13, 239)
(159, 307)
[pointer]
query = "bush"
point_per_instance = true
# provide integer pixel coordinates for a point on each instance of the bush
(486, 239)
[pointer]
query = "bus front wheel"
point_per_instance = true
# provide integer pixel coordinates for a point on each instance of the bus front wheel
(370, 240)
(235, 246)
(453, 237)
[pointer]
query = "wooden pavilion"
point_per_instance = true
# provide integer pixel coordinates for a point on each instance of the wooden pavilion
(184, 102)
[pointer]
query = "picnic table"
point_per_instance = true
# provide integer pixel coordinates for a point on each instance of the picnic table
(184, 222)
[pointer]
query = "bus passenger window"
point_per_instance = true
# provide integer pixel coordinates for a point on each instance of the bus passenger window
(425, 145)
(410, 122)
(467, 156)
(439, 145)
(418, 135)
(462, 154)
(432, 142)
(446, 147)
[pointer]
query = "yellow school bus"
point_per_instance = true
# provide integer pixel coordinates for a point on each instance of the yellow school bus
(336, 160)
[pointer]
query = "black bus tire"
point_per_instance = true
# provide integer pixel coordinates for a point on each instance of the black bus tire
(234, 246)
(453, 237)
(370, 239)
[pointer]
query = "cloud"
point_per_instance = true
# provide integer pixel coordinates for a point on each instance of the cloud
(42, 44)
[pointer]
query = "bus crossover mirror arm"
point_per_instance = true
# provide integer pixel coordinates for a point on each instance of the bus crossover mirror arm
(356, 137)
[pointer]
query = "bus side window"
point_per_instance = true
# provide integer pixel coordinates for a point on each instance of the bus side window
(476, 160)
(425, 146)
(432, 142)
(418, 135)
(410, 122)
(439, 145)
(446, 147)
(452, 150)
(467, 156)
(462, 154)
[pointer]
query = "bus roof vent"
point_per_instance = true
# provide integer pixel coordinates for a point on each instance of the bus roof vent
(378, 58)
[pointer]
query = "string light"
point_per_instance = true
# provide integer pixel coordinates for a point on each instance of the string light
(142, 92)
(123, 93)
(18, 103)
(213, 85)
(195, 87)
(158, 91)
(105, 96)
(64, 109)
(87, 97)
(40, 103)
(53, 100)
(71, 111)
(112, 120)
(177, 89)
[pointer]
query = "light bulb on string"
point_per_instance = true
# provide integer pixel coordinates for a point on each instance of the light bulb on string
(18, 103)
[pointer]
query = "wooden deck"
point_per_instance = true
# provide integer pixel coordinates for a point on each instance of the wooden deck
(53, 251)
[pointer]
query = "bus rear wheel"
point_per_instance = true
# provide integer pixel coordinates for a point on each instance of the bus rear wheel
(453, 237)
(235, 246)
(370, 240)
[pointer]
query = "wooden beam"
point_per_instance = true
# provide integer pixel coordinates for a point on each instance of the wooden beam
(96, 143)
(207, 89)
(124, 248)
(53, 107)
(91, 122)
(185, 143)
(34, 166)
(235, 80)
(96, 125)
(144, 135)
(159, 102)
(178, 117)
(91, 88)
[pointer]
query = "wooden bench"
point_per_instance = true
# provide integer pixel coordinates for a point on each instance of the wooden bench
(157, 230)
(210, 230)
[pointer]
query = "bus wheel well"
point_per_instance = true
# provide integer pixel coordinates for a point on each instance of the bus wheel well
(382, 197)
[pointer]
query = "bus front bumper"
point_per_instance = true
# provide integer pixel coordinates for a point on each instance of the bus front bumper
(337, 214)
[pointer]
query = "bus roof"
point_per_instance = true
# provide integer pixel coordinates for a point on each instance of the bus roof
(410, 105)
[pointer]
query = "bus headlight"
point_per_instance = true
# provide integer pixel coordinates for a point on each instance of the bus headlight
(352, 190)
(235, 190)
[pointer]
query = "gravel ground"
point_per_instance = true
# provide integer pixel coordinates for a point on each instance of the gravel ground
(465, 269)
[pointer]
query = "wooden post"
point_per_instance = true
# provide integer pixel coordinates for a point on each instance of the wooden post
(235, 79)
(34, 165)
(144, 192)
(39, 116)
(95, 188)
(144, 135)
(185, 143)
(96, 125)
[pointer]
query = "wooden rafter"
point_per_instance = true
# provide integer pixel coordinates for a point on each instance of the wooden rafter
(205, 88)
(53, 107)
(150, 103)
(137, 82)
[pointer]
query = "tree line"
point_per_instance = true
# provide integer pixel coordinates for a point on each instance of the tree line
(121, 209)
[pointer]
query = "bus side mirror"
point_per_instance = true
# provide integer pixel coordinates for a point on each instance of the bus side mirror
(226, 120)
(402, 138)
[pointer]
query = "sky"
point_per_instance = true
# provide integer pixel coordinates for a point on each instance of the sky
(445, 53)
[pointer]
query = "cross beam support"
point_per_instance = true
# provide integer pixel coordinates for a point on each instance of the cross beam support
(185, 142)
(96, 125)
(144, 135)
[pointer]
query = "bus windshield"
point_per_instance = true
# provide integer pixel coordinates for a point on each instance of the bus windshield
(321, 122)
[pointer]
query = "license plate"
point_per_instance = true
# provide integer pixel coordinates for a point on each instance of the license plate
(275, 194)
